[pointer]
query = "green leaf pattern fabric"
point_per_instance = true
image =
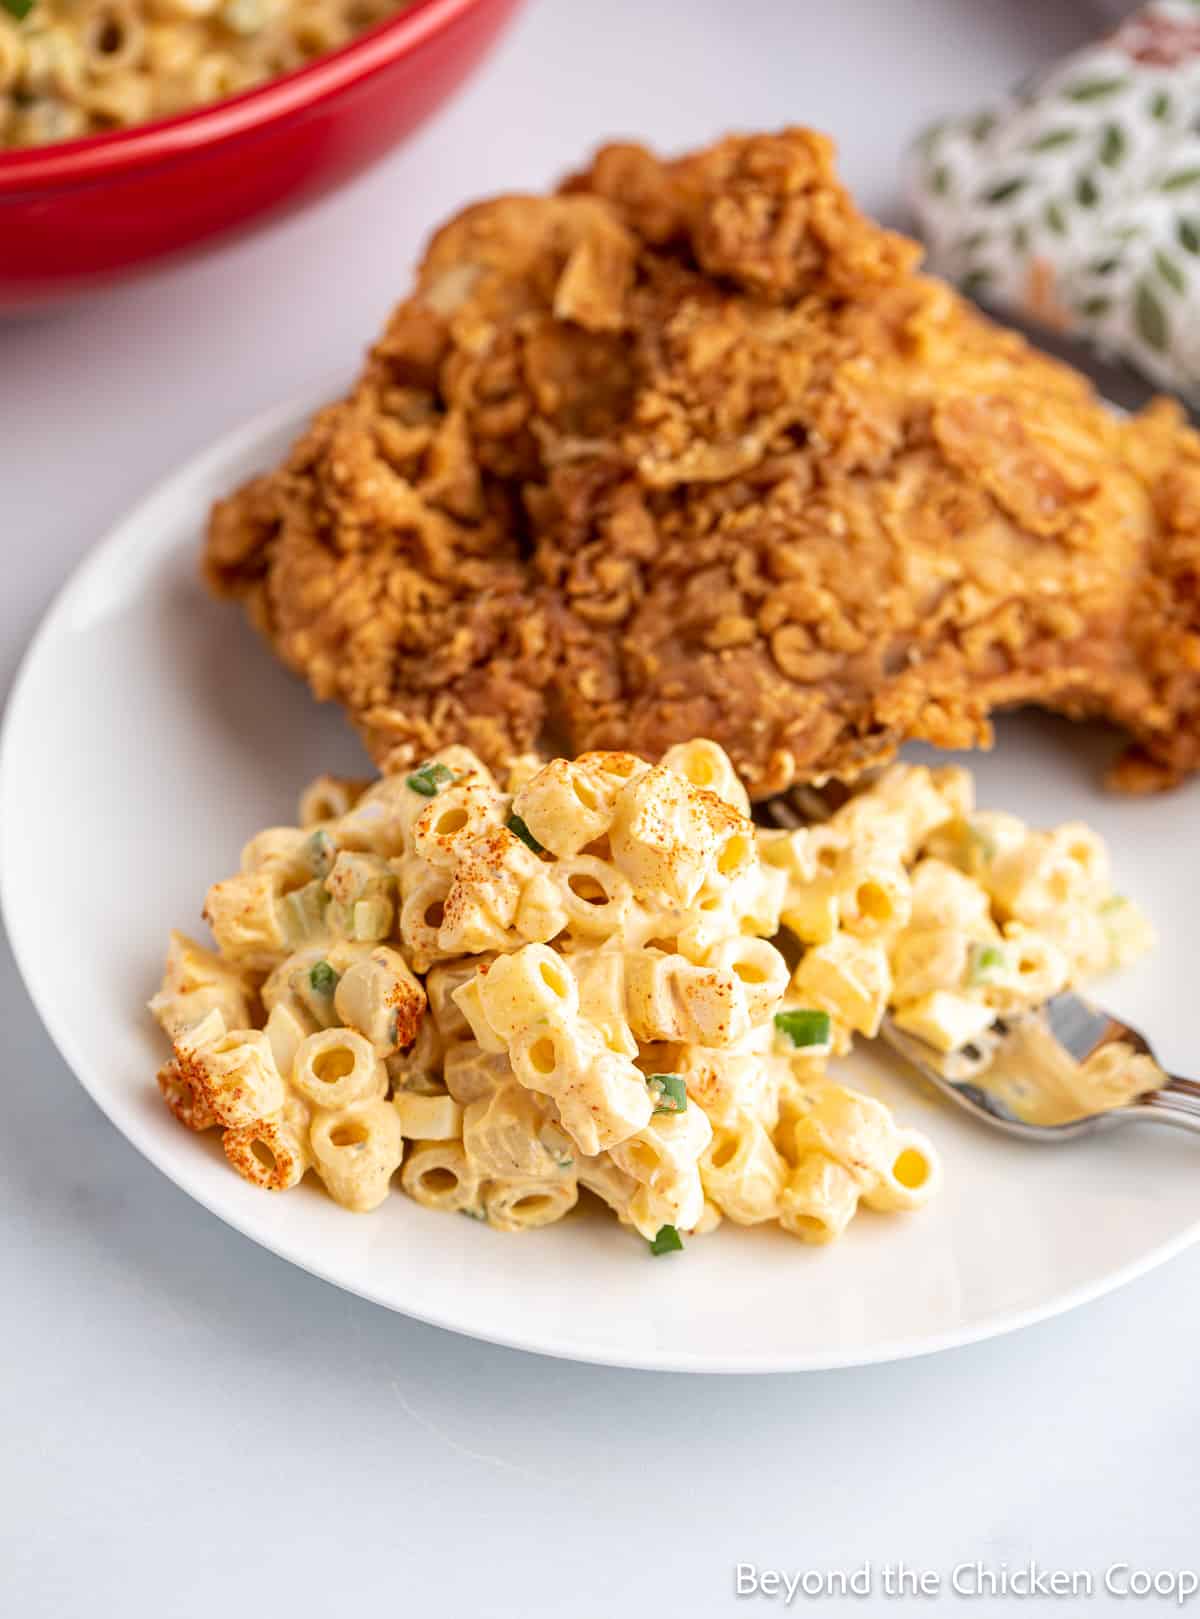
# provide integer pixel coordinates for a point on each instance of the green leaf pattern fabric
(1075, 201)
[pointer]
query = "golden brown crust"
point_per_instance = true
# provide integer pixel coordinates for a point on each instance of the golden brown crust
(691, 449)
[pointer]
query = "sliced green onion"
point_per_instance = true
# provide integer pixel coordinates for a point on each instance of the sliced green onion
(668, 1241)
(517, 826)
(1114, 902)
(323, 978)
(805, 1028)
(669, 1092)
(19, 9)
(429, 778)
(988, 962)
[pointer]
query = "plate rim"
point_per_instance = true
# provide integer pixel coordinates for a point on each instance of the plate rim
(262, 425)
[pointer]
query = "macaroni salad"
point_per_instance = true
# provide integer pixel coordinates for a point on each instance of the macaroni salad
(507, 995)
(78, 67)
(913, 902)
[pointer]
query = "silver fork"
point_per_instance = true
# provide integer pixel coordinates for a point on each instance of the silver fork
(1074, 1027)
(1078, 1029)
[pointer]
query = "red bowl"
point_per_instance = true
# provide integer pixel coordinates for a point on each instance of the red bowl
(82, 213)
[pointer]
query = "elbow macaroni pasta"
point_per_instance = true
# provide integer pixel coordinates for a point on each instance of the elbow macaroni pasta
(508, 997)
(80, 67)
(910, 901)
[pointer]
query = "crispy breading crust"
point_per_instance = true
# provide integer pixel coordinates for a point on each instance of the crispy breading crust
(690, 449)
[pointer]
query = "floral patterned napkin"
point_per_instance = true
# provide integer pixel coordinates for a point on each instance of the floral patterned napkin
(1075, 201)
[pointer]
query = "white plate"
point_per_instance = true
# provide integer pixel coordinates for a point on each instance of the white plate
(151, 732)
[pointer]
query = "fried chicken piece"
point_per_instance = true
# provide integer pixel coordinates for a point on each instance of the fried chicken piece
(690, 449)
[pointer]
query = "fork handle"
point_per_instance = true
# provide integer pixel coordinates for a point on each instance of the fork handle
(1176, 1103)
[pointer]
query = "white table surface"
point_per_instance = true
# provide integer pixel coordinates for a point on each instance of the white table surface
(190, 1427)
